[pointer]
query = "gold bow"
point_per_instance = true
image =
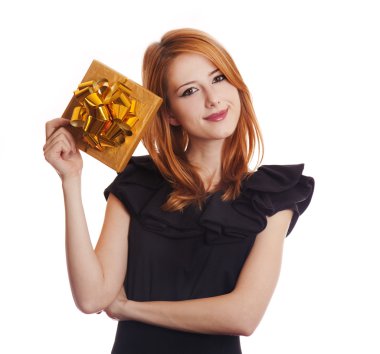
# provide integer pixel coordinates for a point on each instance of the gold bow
(106, 113)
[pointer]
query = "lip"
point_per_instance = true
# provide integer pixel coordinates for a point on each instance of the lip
(216, 117)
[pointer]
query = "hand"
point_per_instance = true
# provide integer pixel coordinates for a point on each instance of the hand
(118, 308)
(60, 150)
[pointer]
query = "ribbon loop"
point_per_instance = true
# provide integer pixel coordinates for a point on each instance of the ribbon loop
(106, 113)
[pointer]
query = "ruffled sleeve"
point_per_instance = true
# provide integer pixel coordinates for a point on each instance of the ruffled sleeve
(137, 184)
(273, 188)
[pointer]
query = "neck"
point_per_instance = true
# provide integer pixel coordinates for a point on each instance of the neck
(207, 157)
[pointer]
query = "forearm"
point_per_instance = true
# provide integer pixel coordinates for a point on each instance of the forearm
(84, 269)
(95, 275)
(224, 314)
(236, 313)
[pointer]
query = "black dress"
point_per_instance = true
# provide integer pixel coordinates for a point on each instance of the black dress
(194, 254)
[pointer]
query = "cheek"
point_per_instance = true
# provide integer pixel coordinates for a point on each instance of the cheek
(236, 96)
(232, 95)
(178, 112)
(186, 109)
(230, 92)
(237, 101)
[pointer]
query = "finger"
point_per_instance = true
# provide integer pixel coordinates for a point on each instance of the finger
(58, 150)
(61, 133)
(59, 140)
(111, 316)
(54, 124)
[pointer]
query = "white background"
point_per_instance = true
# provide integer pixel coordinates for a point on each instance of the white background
(313, 70)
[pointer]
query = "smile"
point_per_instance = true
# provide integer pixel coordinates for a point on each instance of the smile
(216, 117)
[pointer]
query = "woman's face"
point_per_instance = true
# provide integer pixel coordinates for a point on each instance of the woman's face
(201, 99)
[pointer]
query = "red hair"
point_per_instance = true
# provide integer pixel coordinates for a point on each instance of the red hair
(167, 144)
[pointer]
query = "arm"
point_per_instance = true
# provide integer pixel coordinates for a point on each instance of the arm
(236, 313)
(95, 275)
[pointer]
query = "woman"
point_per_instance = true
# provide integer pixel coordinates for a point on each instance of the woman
(203, 236)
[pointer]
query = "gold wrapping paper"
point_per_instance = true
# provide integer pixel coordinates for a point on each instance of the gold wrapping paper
(109, 114)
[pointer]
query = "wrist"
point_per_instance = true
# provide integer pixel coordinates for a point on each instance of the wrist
(119, 310)
(71, 180)
(131, 310)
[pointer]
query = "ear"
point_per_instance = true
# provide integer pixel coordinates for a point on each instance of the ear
(172, 121)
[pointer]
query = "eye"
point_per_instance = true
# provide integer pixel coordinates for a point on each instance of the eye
(219, 78)
(189, 91)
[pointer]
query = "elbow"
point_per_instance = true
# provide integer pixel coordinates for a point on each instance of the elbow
(239, 328)
(241, 325)
(88, 307)
(247, 331)
(247, 316)
(246, 328)
(88, 310)
(246, 320)
(92, 302)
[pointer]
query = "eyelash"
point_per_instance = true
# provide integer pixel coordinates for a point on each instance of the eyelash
(192, 90)
(219, 78)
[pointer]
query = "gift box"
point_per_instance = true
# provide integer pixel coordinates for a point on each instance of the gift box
(109, 114)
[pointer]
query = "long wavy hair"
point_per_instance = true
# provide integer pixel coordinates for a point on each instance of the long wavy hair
(167, 144)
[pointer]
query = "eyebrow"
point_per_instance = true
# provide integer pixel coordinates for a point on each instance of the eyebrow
(192, 82)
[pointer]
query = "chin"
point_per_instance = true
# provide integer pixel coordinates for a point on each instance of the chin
(228, 133)
(222, 136)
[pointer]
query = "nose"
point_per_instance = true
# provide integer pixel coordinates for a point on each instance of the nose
(211, 98)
